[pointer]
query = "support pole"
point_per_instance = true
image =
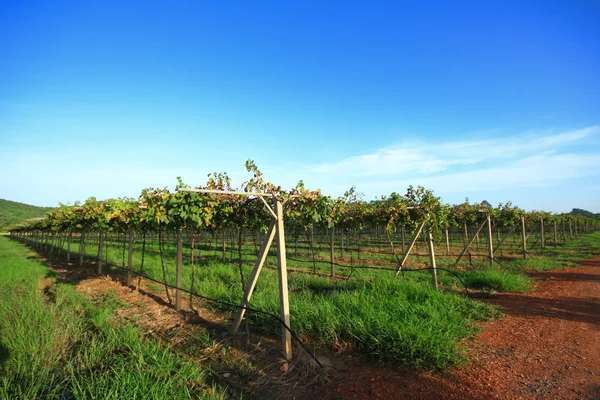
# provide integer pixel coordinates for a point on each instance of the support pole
(178, 269)
(332, 249)
(286, 337)
(409, 248)
(100, 250)
(490, 241)
(130, 257)
(81, 248)
(524, 237)
(570, 230)
(69, 237)
(462, 253)
(434, 280)
(555, 236)
(505, 237)
(447, 242)
(403, 238)
(260, 260)
(342, 243)
(542, 230)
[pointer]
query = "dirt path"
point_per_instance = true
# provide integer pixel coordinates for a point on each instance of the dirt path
(547, 347)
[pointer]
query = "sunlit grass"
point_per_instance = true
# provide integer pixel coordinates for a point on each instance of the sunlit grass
(57, 344)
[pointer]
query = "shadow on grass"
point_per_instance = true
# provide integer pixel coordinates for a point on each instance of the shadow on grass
(4, 354)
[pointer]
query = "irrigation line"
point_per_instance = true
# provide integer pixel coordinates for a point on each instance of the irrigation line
(342, 265)
(442, 269)
(255, 310)
(404, 269)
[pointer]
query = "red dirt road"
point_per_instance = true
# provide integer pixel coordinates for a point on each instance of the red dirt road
(547, 347)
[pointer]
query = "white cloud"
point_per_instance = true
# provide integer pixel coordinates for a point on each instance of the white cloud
(425, 159)
(535, 171)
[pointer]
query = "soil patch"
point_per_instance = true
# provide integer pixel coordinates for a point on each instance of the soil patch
(547, 346)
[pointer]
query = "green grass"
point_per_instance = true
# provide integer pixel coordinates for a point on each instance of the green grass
(402, 321)
(496, 280)
(58, 344)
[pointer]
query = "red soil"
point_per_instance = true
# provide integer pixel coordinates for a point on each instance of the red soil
(546, 347)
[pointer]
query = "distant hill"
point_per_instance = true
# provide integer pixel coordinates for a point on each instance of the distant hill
(12, 213)
(585, 213)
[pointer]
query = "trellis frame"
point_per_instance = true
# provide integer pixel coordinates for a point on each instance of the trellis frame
(276, 231)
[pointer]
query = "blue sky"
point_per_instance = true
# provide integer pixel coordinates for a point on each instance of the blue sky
(487, 100)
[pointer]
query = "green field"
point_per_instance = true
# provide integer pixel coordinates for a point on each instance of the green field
(12, 213)
(402, 321)
(57, 344)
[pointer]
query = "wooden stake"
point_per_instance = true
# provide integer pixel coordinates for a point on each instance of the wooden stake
(403, 238)
(130, 257)
(332, 254)
(570, 230)
(100, 249)
(542, 231)
(505, 237)
(490, 241)
(342, 243)
(81, 248)
(69, 245)
(286, 337)
(498, 238)
(447, 242)
(524, 237)
(555, 236)
(462, 253)
(260, 260)
(410, 246)
(434, 280)
(178, 269)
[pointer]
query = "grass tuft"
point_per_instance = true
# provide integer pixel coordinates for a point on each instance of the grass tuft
(497, 280)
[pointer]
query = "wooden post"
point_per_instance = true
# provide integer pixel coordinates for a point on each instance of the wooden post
(260, 260)
(564, 231)
(524, 238)
(403, 237)
(342, 243)
(462, 253)
(499, 245)
(555, 236)
(100, 250)
(434, 280)
(69, 245)
(130, 257)
(286, 337)
(409, 248)
(81, 248)
(178, 269)
(447, 242)
(542, 230)
(466, 234)
(490, 241)
(570, 230)
(332, 254)
(498, 238)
